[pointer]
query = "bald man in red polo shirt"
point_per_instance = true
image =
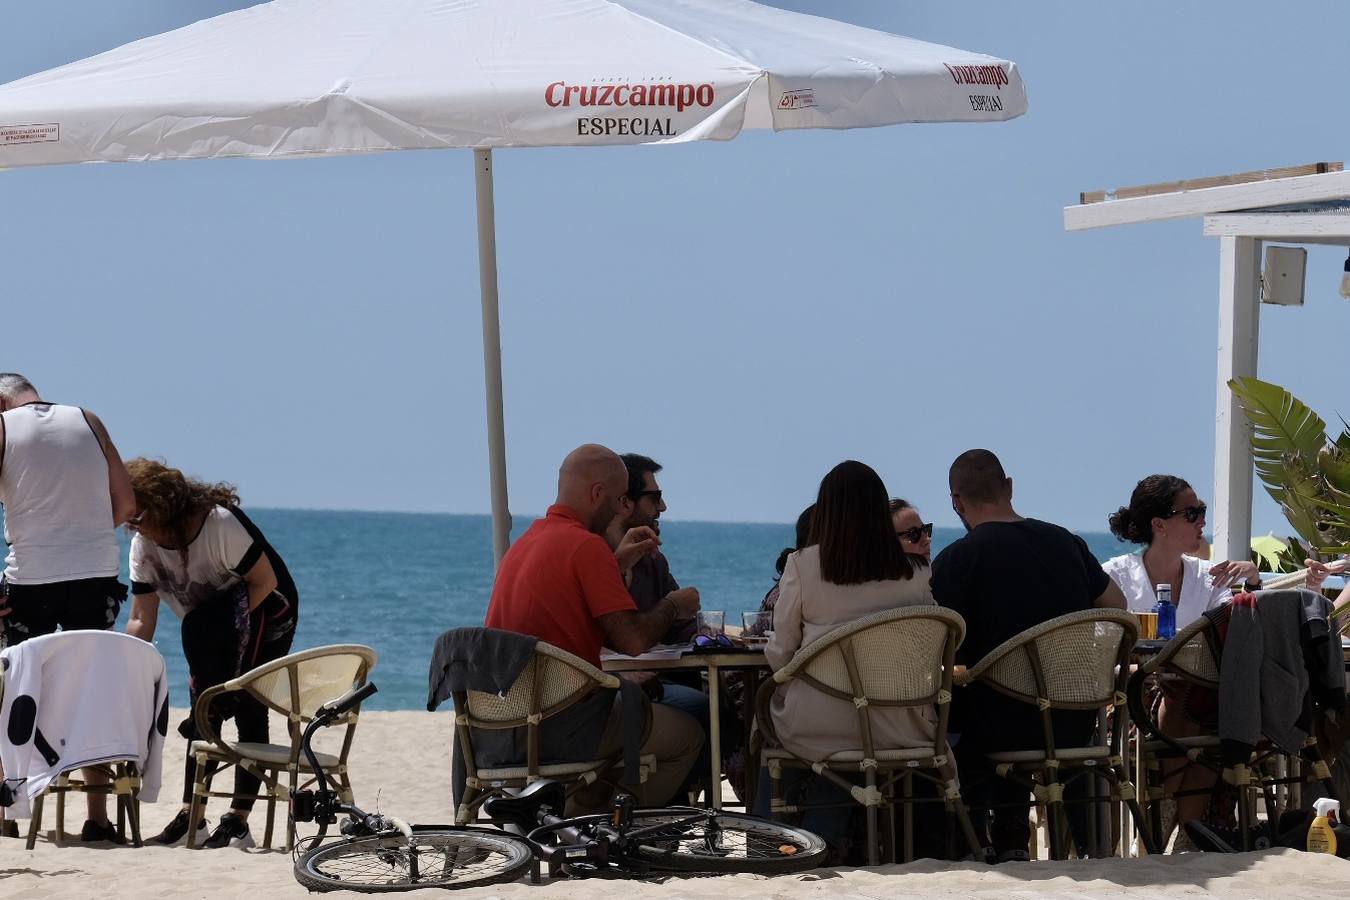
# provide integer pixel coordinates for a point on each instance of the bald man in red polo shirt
(561, 582)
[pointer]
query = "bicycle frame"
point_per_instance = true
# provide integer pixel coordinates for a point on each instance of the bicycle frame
(322, 805)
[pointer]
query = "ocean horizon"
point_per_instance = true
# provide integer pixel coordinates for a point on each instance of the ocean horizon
(395, 580)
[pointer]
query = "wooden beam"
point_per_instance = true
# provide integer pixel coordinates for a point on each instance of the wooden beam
(1299, 228)
(1203, 201)
(1195, 184)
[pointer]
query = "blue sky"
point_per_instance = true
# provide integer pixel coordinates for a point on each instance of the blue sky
(749, 313)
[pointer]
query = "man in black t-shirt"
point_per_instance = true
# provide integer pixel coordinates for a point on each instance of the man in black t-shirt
(1006, 575)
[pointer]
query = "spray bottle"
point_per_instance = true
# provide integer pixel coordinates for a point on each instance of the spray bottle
(1322, 831)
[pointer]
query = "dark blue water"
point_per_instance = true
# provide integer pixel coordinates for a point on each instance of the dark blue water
(394, 581)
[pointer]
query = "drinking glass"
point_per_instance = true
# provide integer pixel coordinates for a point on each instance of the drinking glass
(757, 625)
(1148, 625)
(711, 621)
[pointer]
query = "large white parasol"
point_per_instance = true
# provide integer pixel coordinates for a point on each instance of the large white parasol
(308, 77)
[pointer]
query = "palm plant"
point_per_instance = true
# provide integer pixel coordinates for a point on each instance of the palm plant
(1305, 473)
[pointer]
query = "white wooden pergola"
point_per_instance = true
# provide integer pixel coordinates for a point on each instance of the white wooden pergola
(1302, 205)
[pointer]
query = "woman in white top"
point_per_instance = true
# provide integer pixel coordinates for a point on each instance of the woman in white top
(854, 568)
(196, 550)
(1167, 517)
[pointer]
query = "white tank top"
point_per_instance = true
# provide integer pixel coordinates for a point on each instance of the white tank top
(54, 486)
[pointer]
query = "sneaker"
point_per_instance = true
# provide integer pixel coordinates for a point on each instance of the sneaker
(231, 832)
(176, 830)
(1013, 856)
(9, 828)
(1218, 839)
(107, 832)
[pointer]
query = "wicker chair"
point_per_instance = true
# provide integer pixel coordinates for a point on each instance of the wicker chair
(1076, 661)
(552, 682)
(294, 686)
(124, 776)
(900, 658)
(1192, 658)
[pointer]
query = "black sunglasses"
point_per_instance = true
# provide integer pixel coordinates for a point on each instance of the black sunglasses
(640, 494)
(1191, 513)
(705, 641)
(915, 534)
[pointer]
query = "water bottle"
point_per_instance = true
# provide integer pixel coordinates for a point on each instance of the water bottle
(1167, 613)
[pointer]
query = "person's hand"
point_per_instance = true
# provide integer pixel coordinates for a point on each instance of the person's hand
(636, 543)
(686, 603)
(1318, 572)
(648, 681)
(1226, 573)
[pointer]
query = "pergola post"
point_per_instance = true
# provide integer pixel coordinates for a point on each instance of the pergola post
(1239, 322)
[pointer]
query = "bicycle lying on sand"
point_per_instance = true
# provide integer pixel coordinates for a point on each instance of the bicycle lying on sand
(384, 853)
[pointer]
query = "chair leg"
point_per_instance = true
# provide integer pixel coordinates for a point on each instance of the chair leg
(62, 784)
(873, 856)
(907, 805)
(271, 787)
(197, 808)
(1054, 810)
(35, 823)
(290, 820)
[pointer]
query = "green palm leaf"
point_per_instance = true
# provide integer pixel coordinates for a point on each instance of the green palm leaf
(1280, 421)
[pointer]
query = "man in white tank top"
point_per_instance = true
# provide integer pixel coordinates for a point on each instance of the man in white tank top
(64, 490)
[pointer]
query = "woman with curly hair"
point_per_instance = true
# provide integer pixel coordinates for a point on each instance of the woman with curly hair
(194, 549)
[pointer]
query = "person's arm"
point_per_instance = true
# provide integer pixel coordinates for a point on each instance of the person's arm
(119, 482)
(1111, 598)
(787, 618)
(636, 543)
(1230, 571)
(261, 581)
(144, 616)
(632, 632)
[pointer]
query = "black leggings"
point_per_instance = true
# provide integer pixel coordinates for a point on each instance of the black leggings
(216, 651)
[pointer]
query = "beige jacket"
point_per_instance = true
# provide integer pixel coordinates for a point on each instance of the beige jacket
(809, 723)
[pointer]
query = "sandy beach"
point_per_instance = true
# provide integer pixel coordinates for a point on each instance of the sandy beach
(401, 760)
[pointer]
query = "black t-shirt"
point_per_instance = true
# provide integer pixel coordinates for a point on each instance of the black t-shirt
(1003, 578)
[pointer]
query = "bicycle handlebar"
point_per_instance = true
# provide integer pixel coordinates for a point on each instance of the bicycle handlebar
(334, 708)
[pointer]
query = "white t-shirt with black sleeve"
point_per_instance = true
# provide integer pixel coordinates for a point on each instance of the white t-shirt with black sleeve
(217, 559)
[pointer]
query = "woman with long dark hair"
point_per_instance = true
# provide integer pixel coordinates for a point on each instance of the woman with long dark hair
(853, 568)
(194, 549)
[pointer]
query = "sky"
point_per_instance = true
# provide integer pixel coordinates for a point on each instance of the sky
(749, 313)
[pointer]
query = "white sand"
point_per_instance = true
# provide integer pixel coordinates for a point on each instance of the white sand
(404, 758)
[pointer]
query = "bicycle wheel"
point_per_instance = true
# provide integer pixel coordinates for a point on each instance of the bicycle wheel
(696, 840)
(435, 857)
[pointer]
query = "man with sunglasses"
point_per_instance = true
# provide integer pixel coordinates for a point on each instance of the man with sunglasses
(65, 491)
(650, 584)
(1006, 575)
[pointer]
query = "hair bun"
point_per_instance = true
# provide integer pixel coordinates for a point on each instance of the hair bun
(1121, 525)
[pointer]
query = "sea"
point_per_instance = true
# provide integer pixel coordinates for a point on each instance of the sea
(395, 581)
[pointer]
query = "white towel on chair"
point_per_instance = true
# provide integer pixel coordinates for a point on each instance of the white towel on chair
(76, 698)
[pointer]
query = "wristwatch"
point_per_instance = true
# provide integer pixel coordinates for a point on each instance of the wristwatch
(1249, 585)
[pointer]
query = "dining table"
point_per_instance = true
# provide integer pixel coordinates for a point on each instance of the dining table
(714, 661)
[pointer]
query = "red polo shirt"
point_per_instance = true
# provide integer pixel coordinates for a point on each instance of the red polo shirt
(555, 581)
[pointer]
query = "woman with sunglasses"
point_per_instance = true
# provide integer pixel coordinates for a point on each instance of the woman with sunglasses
(916, 535)
(1167, 517)
(854, 567)
(193, 548)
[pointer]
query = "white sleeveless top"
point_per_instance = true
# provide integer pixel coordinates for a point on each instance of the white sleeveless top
(54, 487)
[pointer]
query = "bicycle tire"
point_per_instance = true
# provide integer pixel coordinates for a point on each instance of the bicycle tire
(379, 863)
(764, 848)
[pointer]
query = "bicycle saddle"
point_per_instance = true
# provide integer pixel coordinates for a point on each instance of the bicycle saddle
(522, 810)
